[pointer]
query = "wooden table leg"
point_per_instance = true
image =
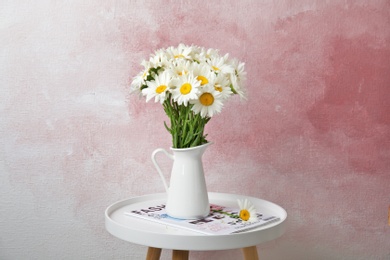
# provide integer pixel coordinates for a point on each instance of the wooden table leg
(250, 253)
(180, 255)
(153, 253)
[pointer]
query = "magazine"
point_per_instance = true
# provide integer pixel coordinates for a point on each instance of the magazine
(221, 220)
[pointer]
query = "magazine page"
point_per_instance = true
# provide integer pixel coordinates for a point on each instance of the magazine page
(221, 220)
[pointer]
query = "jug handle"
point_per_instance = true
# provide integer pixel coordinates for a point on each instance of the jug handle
(158, 167)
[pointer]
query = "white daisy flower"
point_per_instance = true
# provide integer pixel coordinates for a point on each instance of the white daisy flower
(158, 87)
(208, 103)
(140, 79)
(212, 53)
(203, 73)
(238, 77)
(218, 64)
(181, 52)
(180, 68)
(222, 84)
(196, 49)
(187, 88)
(247, 210)
(159, 59)
(206, 55)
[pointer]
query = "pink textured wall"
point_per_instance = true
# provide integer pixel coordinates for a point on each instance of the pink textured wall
(313, 136)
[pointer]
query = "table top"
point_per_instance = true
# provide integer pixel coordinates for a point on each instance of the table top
(149, 233)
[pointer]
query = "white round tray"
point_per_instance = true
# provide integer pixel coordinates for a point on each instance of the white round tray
(148, 233)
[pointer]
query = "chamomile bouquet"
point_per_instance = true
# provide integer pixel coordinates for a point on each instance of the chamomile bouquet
(192, 83)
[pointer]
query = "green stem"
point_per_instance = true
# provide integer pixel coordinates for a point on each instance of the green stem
(226, 213)
(186, 127)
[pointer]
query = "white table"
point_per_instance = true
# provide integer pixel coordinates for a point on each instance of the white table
(158, 236)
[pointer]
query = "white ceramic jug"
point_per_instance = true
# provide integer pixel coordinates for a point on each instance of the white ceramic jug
(187, 196)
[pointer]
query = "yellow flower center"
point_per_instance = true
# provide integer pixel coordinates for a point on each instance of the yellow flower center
(181, 73)
(206, 99)
(218, 88)
(244, 214)
(160, 89)
(185, 88)
(178, 56)
(215, 68)
(203, 80)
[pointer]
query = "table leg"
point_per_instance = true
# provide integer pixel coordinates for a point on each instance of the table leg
(250, 253)
(180, 255)
(153, 253)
